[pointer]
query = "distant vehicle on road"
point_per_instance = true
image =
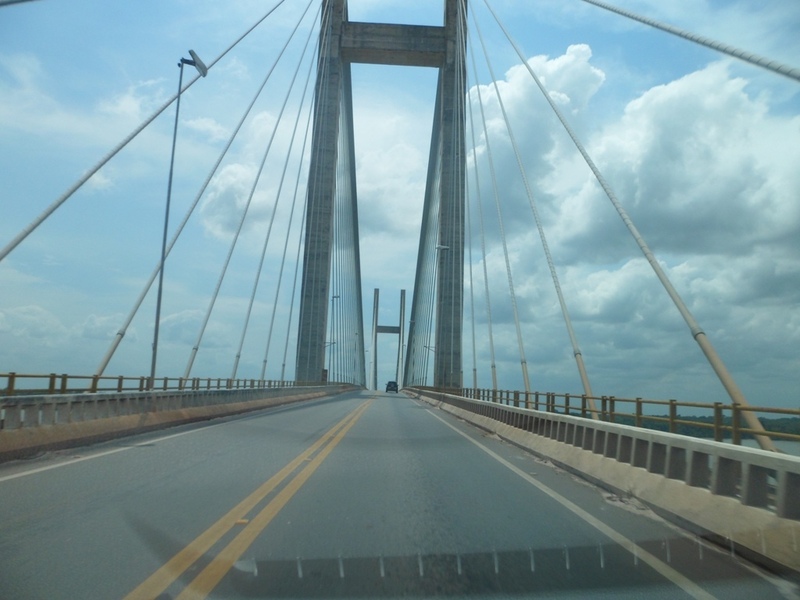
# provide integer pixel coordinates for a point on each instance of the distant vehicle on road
(391, 386)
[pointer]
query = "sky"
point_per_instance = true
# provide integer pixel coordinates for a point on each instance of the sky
(702, 151)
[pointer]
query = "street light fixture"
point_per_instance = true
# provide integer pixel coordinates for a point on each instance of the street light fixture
(203, 70)
(196, 63)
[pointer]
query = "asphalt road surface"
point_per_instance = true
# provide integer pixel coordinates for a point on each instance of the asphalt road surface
(363, 495)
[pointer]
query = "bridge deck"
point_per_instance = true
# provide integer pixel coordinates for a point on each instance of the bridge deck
(361, 495)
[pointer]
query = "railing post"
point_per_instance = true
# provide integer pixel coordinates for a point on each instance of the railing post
(604, 408)
(12, 379)
(95, 382)
(673, 414)
(536, 400)
(120, 383)
(583, 406)
(612, 413)
(64, 382)
(736, 434)
(51, 384)
(141, 384)
(166, 383)
(566, 404)
(638, 420)
(718, 421)
(527, 400)
(516, 399)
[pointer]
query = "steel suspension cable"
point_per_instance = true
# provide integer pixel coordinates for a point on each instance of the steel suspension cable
(493, 174)
(419, 351)
(294, 290)
(471, 293)
(306, 218)
(459, 144)
(114, 151)
(479, 204)
(338, 263)
(344, 233)
(346, 215)
(463, 191)
(749, 57)
(336, 271)
(429, 248)
(277, 201)
(285, 246)
(434, 247)
(576, 351)
(735, 394)
(312, 224)
(243, 217)
(137, 305)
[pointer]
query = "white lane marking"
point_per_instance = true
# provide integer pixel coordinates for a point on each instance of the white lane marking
(72, 461)
(686, 584)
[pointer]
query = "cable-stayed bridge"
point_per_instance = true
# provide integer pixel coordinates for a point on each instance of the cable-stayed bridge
(283, 187)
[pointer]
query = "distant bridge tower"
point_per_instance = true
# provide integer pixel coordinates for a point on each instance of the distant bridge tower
(332, 179)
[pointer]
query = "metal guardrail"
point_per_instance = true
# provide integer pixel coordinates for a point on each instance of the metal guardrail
(726, 419)
(12, 384)
(34, 411)
(756, 477)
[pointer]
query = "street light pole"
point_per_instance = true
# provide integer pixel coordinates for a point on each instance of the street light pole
(203, 70)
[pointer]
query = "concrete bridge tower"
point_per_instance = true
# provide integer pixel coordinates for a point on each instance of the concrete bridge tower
(332, 172)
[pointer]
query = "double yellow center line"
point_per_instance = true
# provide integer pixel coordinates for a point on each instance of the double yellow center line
(213, 573)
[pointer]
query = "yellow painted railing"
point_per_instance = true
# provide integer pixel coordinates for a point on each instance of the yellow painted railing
(12, 384)
(724, 419)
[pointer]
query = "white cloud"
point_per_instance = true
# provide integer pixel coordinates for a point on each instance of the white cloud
(226, 199)
(570, 78)
(32, 323)
(705, 170)
(100, 181)
(208, 127)
(706, 164)
(24, 105)
(100, 327)
(136, 103)
(692, 164)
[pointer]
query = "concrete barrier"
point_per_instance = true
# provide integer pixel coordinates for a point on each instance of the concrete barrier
(743, 498)
(30, 425)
